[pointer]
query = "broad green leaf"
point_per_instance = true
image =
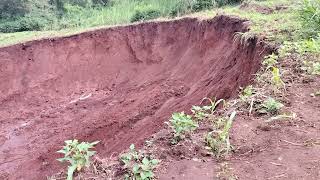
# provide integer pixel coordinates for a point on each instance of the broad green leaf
(145, 161)
(155, 161)
(148, 174)
(145, 167)
(143, 175)
(135, 168)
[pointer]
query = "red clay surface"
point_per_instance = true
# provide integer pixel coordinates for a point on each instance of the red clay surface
(116, 85)
(284, 149)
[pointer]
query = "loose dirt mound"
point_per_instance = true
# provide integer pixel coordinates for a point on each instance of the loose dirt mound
(116, 85)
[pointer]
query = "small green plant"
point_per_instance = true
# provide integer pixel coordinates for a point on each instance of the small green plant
(271, 106)
(181, 124)
(138, 165)
(276, 78)
(270, 61)
(247, 93)
(214, 103)
(217, 141)
(311, 45)
(202, 112)
(77, 154)
(249, 96)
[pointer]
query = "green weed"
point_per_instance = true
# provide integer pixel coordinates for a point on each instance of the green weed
(308, 46)
(271, 106)
(247, 93)
(77, 154)
(248, 96)
(217, 141)
(202, 112)
(309, 12)
(214, 103)
(276, 78)
(181, 125)
(138, 165)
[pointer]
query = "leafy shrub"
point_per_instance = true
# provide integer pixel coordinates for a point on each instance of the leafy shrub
(138, 165)
(181, 7)
(12, 8)
(22, 24)
(181, 124)
(203, 4)
(77, 154)
(34, 21)
(144, 13)
(217, 141)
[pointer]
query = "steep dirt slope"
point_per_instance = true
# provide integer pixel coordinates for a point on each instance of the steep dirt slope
(116, 85)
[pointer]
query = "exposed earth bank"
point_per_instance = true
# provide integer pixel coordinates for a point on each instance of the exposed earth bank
(117, 85)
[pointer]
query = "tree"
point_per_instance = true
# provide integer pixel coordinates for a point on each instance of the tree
(13, 8)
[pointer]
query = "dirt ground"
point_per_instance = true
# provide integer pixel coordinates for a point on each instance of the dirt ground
(116, 85)
(284, 149)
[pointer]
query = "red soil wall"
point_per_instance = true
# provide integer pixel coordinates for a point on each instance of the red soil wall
(131, 79)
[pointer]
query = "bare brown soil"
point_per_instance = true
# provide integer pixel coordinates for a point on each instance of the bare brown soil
(116, 85)
(281, 149)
